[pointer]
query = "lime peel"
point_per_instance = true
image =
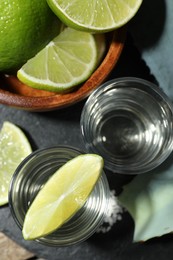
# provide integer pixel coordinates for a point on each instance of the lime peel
(25, 28)
(62, 195)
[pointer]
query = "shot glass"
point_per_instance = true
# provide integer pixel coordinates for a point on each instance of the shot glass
(31, 175)
(129, 122)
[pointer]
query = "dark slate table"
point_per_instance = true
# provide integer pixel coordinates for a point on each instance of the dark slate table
(63, 127)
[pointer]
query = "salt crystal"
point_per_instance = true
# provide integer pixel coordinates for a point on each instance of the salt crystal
(113, 214)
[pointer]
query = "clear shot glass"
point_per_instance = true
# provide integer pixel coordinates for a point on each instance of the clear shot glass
(31, 175)
(129, 122)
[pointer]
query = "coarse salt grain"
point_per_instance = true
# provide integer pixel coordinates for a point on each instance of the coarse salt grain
(113, 214)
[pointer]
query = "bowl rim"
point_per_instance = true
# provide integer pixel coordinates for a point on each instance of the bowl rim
(56, 101)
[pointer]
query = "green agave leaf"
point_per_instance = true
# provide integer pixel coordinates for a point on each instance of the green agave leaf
(149, 200)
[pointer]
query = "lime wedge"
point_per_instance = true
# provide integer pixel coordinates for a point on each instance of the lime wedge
(14, 147)
(62, 195)
(65, 62)
(94, 15)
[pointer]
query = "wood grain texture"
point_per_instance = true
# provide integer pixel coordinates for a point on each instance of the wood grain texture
(10, 250)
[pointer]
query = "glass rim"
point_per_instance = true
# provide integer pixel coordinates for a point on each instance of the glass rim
(102, 182)
(23, 163)
(92, 103)
(115, 83)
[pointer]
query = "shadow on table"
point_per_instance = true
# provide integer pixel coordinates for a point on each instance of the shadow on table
(148, 24)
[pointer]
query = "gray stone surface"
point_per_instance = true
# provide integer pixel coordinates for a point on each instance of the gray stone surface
(152, 34)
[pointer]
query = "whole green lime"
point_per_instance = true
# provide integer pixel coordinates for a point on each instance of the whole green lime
(26, 26)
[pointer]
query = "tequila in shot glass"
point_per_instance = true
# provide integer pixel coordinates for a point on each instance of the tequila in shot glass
(31, 175)
(129, 122)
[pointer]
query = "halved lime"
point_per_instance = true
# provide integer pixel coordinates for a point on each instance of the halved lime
(94, 15)
(65, 62)
(14, 147)
(26, 27)
(62, 195)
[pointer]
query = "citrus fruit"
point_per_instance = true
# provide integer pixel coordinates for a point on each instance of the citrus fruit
(94, 15)
(65, 62)
(25, 28)
(14, 147)
(62, 195)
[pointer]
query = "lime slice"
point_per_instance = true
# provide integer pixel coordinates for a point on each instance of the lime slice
(62, 195)
(64, 63)
(94, 15)
(14, 147)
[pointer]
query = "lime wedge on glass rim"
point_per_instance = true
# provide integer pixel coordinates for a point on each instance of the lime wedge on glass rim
(14, 147)
(62, 195)
(94, 15)
(68, 60)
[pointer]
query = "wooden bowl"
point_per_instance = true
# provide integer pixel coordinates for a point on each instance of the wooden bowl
(15, 94)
